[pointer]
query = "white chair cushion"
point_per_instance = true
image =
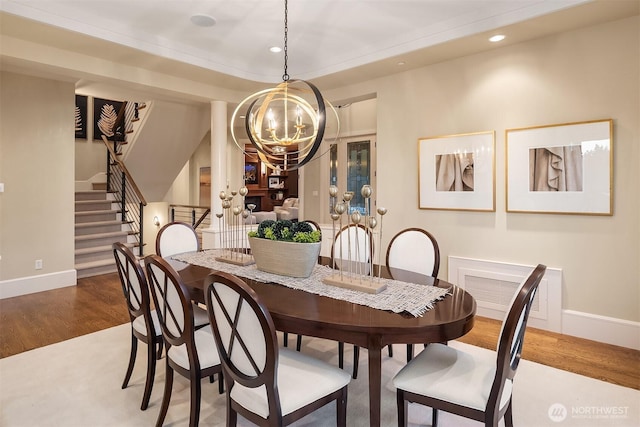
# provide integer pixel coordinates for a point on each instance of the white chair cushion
(200, 316)
(206, 347)
(301, 380)
(450, 375)
(139, 326)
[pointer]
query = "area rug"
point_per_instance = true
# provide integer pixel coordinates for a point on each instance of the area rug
(77, 383)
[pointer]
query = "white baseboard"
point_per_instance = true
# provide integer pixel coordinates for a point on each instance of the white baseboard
(32, 284)
(610, 330)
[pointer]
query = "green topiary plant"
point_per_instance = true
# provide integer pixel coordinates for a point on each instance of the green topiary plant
(286, 231)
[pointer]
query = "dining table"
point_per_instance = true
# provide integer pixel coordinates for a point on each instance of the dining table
(305, 313)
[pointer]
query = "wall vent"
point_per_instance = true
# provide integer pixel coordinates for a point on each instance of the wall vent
(494, 283)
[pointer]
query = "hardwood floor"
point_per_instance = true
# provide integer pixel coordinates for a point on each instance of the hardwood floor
(97, 303)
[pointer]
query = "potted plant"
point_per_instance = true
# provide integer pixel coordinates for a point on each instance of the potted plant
(285, 247)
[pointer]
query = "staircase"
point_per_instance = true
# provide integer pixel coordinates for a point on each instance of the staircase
(98, 225)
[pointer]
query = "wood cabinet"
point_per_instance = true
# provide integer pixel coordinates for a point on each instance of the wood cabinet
(268, 186)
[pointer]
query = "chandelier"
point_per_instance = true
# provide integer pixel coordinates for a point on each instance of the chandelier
(286, 123)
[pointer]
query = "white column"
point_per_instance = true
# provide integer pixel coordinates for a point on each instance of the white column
(219, 173)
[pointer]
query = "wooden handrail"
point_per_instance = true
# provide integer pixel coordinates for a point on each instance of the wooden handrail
(124, 169)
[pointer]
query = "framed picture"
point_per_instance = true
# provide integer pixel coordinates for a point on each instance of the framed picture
(457, 172)
(562, 169)
(80, 117)
(274, 182)
(251, 173)
(105, 113)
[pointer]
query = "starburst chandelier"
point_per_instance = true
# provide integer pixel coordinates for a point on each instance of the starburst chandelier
(286, 123)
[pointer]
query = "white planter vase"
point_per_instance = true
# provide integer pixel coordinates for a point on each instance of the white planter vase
(285, 258)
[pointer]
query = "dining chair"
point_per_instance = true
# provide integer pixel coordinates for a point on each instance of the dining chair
(467, 384)
(352, 251)
(315, 226)
(266, 384)
(190, 352)
(177, 238)
(410, 251)
(145, 326)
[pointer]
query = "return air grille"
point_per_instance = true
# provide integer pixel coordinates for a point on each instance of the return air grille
(493, 284)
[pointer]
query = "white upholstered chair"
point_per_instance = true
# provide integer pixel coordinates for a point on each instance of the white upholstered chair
(412, 254)
(266, 384)
(465, 384)
(191, 352)
(178, 238)
(413, 250)
(145, 325)
(352, 251)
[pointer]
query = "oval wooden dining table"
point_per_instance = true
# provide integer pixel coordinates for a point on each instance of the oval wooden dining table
(304, 313)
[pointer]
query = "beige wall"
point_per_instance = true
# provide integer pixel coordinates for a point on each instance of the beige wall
(37, 168)
(582, 75)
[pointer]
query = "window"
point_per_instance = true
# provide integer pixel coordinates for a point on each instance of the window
(352, 165)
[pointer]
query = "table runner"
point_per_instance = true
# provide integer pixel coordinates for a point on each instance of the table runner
(398, 297)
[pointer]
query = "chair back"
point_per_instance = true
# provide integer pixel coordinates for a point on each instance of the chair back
(176, 238)
(134, 285)
(413, 250)
(353, 244)
(245, 335)
(172, 303)
(511, 340)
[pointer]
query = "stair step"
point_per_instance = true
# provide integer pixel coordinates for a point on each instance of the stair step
(90, 195)
(94, 216)
(99, 227)
(103, 248)
(92, 268)
(104, 235)
(99, 223)
(97, 212)
(92, 205)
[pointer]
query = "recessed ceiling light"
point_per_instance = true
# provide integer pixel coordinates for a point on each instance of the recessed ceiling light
(275, 49)
(497, 38)
(401, 63)
(203, 20)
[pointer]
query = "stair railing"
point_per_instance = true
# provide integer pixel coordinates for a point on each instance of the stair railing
(131, 200)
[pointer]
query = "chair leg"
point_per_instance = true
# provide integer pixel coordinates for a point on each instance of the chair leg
(390, 348)
(220, 383)
(132, 361)
(409, 352)
(508, 416)
(232, 416)
(285, 339)
(196, 386)
(299, 343)
(356, 359)
(341, 411)
(434, 417)
(340, 355)
(151, 373)
(402, 408)
(168, 385)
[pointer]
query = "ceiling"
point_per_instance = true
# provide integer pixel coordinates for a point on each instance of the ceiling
(330, 42)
